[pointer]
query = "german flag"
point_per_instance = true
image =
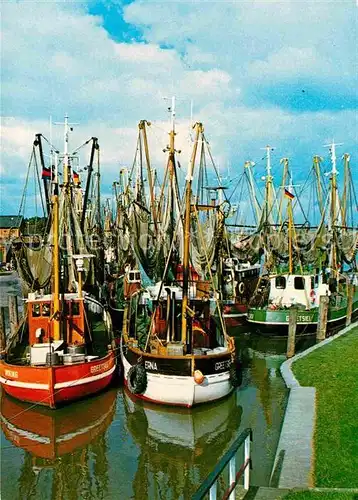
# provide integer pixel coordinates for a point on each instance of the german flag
(46, 173)
(76, 177)
(289, 195)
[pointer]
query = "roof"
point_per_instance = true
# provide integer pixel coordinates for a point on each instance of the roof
(10, 221)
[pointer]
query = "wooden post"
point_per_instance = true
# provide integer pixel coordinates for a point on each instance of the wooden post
(350, 293)
(13, 314)
(322, 318)
(291, 339)
(2, 330)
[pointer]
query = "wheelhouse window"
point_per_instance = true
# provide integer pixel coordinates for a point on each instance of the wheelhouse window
(66, 309)
(45, 309)
(36, 310)
(75, 308)
(299, 283)
(134, 277)
(280, 282)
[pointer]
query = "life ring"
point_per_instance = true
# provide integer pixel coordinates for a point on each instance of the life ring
(137, 379)
(241, 287)
(235, 374)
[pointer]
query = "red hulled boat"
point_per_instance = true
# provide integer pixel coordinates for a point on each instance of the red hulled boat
(64, 349)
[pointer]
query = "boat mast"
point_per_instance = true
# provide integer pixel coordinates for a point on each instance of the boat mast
(346, 158)
(142, 126)
(56, 257)
(65, 159)
(284, 177)
(290, 220)
(171, 161)
(268, 188)
(187, 218)
(333, 211)
(248, 165)
(95, 146)
(317, 169)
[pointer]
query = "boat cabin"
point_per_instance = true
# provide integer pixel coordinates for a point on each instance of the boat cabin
(132, 282)
(243, 269)
(40, 319)
(287, 290)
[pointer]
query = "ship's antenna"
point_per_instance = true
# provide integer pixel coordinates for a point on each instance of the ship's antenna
(172, 110)
(332, 148)
(67, 128)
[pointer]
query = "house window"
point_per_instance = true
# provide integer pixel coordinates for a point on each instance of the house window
(299, 283)
(280, 282)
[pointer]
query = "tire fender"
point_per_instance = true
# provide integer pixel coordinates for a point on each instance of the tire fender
(137, 379)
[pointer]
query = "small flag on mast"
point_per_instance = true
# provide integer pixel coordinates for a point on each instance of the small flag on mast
(46, 173)
(76, 177)
(288, 194)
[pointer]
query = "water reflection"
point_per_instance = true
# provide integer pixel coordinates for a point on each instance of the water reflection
(174, 444)
(65, 450)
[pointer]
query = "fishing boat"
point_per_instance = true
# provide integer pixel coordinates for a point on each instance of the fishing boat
(302, 291)
(63, 349)
(174, 345)
(302, 286)
(119, 256)
(240, 280)
(241, 266)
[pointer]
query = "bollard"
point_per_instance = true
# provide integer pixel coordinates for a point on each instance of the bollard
(13, 314)
(322, 318)
(292, 326)
(2, 330)
(350, 293)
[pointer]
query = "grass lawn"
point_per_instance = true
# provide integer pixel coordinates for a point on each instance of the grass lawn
(320, 495)
(333, 370)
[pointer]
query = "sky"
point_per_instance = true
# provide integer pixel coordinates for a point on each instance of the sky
(282, 73)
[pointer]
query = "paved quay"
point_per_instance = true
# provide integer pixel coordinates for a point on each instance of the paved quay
(293, 466)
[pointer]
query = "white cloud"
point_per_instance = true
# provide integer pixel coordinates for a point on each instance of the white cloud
(289, 63)
(228, 57)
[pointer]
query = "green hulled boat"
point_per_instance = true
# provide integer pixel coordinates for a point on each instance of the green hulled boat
(272, 318)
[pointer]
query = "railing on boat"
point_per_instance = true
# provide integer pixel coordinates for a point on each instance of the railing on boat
(209, 485)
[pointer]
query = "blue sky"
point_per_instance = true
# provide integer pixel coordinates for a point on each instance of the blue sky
(258, 72)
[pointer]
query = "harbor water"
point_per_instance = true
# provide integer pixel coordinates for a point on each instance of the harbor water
(113, 446)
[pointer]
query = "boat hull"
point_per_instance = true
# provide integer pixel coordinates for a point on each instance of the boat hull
(170, 380)
(306, 319)
(57, 385)
(235, 314)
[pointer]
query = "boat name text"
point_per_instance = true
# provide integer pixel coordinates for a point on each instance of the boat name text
(100, 368)
(222, 365)
(150, 365)
(302, 318)
(11, 373)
